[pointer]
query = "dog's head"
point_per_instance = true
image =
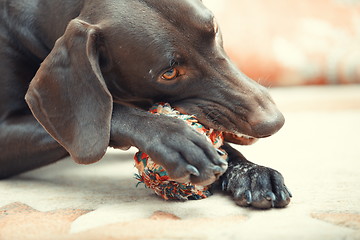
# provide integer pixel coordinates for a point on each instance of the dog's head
(139, 53)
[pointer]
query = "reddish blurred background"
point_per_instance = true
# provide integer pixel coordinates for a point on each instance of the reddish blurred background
(292, 42)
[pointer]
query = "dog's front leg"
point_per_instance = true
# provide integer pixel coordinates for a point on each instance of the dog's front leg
(253, 185)
(183, 152)
(25, 145)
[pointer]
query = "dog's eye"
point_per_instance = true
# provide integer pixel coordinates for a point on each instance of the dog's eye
(170, 74)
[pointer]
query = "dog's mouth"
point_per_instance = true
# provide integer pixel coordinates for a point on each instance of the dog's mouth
(229, 135)
(238, 138)
(242, 127)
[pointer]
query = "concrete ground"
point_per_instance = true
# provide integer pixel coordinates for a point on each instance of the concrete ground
(317, 151)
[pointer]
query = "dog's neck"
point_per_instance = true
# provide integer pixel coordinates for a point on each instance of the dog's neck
(37, 35)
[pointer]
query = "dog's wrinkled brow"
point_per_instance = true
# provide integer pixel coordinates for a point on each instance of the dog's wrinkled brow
(170, 59)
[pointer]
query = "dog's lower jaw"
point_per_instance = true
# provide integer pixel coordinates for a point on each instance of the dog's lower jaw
(238, 138)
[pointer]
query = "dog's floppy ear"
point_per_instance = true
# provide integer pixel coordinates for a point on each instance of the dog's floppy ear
(69, 97)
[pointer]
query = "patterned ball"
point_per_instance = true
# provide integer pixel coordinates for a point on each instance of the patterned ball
(155, 176)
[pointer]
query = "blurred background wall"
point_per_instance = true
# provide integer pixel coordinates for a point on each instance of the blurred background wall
(292, 42)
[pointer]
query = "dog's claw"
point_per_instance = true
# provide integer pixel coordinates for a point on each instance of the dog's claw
(270, 196)
(288, 191)
(237, 194)
(224, 185)
(283, 196)
(218, 169)
(221, 153)
(224, 164)
(248, 197)
(193, 170)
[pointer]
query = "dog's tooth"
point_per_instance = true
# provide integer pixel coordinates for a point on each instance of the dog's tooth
(240, 135)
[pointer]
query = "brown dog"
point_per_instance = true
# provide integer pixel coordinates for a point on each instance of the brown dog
(103, 63)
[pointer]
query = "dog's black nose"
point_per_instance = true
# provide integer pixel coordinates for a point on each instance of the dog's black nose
(267, 124)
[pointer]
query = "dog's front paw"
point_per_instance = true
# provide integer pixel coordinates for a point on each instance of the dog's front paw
(256, 186)
(186, 154)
